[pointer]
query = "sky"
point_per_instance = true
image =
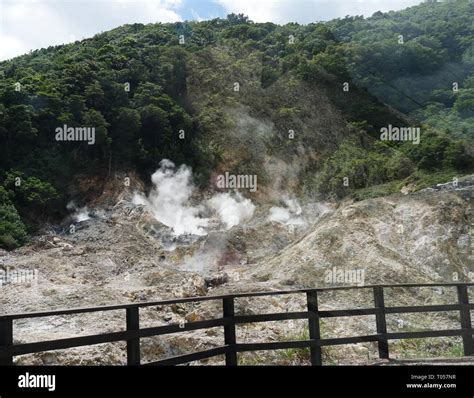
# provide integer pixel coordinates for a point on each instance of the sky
(27, 25)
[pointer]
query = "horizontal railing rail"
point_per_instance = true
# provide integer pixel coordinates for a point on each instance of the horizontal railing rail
(229, 321)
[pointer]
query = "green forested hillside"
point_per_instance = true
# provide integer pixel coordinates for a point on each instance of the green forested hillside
(417, 77)
(142, 86)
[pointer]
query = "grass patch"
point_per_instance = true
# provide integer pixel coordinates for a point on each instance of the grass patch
(424, 180)
(427, 348)
(378, 190)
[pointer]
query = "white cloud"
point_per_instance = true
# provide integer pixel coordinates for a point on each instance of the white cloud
(306, 11)
(9, 47)
(28, 25)
(196, 16)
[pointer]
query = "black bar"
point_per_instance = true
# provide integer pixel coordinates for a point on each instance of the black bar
(133, 345)
(277, 345)
(466, 325)
(229, 331)
(423, 308)
(29, 348)
(348, 340)
(279, 316)
(6, 341)
(348, 312)
(314, 329)
(424, 334)
(392, 310)
(381, 322)
(186, 358)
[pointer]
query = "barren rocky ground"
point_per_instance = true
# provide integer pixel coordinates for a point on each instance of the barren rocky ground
(121, 254)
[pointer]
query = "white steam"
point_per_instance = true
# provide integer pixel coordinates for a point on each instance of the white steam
(80, 214)
(232, 210)
(291, 214)
(169, 202)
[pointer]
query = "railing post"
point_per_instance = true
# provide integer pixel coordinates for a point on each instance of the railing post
(229, 331)
(133, 345)
(314, 330)
(6, 341)
(381, 322)
(466, 325)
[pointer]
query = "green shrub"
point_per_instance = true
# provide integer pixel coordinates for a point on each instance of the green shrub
(459, 156)
(12, 230)
(30, 192)
(399, 166)
(360, 167)
(438, 151)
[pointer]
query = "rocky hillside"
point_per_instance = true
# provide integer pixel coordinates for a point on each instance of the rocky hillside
(424, 236)
(122, 254)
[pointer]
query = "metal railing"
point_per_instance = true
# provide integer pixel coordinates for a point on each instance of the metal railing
(229, 320)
